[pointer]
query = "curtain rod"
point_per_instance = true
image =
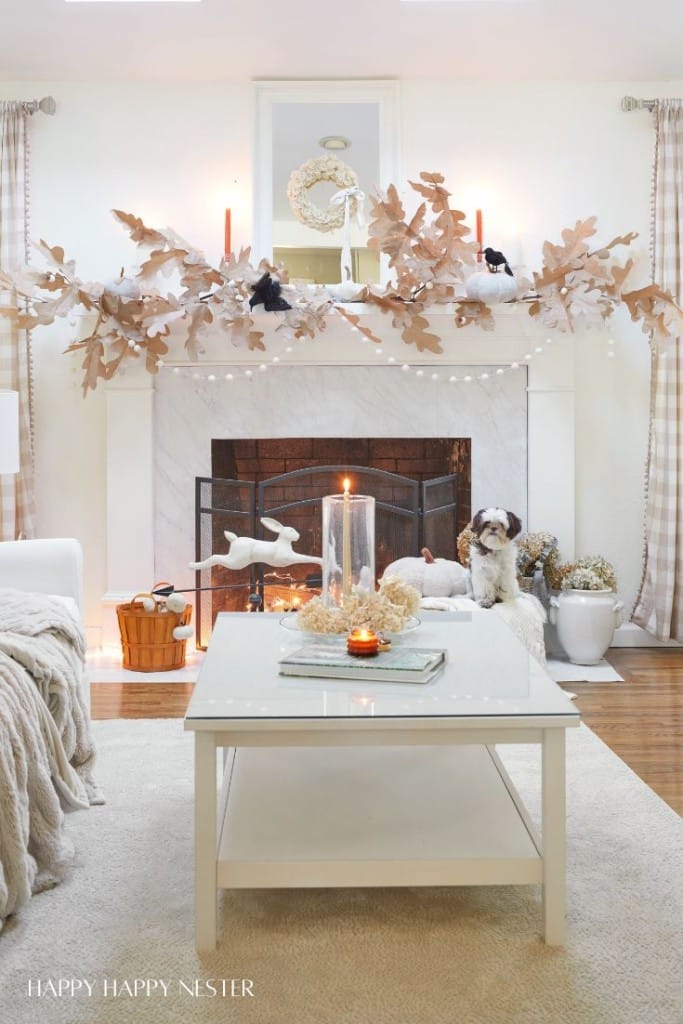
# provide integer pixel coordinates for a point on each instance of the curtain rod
(631, 103)
(47, 105)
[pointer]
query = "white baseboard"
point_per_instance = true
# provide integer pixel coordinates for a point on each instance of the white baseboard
(631, 635)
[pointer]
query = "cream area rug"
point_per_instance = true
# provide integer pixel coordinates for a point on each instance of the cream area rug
(122, 922)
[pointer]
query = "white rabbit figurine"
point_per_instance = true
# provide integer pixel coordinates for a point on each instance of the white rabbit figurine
(246, 550)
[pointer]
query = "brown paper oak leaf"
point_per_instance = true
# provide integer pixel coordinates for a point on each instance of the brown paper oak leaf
(93, 364)
(155, 348)
(433, 191)
(239, 268)
(415, 333)
(354, 320)
(55, 257)
(163, 261)
(471, 311)
(200, 319)
(619, 276)
(138, 231)
(620, 240)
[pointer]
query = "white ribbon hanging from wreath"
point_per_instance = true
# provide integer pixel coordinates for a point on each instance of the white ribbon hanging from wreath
(355, 209)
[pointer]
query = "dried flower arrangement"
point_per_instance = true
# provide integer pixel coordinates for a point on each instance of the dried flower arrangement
(537, 551)
(386, 610)
(464, 541)
(534, 551)
(590, 573)
(431, 261)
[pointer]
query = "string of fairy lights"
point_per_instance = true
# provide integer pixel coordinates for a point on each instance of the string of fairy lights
(232, 371)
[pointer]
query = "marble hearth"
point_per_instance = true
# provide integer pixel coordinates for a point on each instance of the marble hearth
(159, 431)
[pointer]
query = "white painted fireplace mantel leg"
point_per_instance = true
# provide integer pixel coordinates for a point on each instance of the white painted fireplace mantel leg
(130, 492)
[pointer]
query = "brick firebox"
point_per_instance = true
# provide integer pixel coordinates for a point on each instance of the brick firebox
(417, 458)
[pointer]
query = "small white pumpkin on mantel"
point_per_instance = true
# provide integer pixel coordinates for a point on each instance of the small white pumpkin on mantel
(432, 577)
(491, 288)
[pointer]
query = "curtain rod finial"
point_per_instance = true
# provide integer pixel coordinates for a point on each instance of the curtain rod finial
(48, 105)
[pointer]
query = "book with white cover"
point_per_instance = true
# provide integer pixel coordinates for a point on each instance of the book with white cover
(331, 661)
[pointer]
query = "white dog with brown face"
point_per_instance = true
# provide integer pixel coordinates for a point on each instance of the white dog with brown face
(493, 556)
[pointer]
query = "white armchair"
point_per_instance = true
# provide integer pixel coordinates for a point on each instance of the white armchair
(53, 566)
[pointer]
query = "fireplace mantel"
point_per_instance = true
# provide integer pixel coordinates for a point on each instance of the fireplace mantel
(339, 345)
(550, 419)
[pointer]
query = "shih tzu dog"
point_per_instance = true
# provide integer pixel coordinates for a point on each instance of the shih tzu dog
(493, 556)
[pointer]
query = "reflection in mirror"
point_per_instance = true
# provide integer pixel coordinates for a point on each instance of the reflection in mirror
(300, 124)
(349, 133)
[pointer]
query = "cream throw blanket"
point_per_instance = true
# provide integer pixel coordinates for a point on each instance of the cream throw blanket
(46, 750)
(524, 615)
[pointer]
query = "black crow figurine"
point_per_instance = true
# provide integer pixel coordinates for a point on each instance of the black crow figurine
(495, 260)
(268, 292)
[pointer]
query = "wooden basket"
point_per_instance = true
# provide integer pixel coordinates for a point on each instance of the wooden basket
(147, 637)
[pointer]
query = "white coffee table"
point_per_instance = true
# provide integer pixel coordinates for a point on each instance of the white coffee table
(339, 783)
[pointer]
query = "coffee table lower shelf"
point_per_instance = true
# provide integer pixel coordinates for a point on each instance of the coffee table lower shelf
(372, 816)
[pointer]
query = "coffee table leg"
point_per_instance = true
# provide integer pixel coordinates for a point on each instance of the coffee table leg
(554, 837)
(205, 840)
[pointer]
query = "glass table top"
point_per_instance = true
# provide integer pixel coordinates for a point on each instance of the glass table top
(488, 673)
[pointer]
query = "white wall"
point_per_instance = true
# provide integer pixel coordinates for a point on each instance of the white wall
(534, 157)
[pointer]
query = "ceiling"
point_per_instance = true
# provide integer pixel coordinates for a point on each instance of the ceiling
(222, 40)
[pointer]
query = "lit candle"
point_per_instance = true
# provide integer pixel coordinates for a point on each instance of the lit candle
(363, 643)
(480, 235)
(227, 246)
(346, 541)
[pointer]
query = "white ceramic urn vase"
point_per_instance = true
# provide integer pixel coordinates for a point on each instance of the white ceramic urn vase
(586, 620)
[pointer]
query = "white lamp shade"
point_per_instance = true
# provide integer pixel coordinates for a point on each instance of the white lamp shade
(9, 432)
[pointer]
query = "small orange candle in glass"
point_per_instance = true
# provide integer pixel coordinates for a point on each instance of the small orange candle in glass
(364, 643)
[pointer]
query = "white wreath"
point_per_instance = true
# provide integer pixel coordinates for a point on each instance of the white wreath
(322, 168)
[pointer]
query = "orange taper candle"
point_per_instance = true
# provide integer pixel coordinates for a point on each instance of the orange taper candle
(227, 246)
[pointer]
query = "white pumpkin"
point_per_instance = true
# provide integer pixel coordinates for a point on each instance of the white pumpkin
(491, 288)
(432, 577)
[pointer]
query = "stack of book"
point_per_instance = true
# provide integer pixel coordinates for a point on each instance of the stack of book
(331, 661)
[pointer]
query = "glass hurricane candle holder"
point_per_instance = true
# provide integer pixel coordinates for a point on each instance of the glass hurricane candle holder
(348, 546)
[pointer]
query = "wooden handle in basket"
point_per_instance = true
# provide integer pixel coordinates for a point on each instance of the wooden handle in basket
(144, 594)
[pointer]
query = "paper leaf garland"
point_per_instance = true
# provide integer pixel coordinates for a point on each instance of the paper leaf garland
(430, 257)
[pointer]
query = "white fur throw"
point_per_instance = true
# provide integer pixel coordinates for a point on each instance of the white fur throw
(46, 751)
(524, 615)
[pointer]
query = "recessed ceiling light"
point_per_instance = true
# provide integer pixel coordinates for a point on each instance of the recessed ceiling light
(337, 142)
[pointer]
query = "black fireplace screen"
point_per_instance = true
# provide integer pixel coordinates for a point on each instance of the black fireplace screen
(409, 516)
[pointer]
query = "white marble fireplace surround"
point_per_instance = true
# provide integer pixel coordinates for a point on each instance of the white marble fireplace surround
(159, 430)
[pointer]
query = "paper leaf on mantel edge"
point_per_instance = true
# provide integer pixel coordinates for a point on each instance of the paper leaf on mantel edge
(93, 364)
(472, 311)
(414, 333)
(354, 320)
(155, 348)
(201, 318)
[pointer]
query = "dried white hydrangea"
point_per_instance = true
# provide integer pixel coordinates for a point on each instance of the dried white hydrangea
(583, 579)
(386, 611)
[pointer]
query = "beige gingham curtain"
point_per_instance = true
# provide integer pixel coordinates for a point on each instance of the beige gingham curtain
(659, 605)
(16, 492)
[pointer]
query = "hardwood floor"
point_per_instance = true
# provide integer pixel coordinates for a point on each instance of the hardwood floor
(641, 719)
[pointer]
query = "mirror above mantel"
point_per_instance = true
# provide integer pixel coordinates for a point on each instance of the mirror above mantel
(359, 119)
